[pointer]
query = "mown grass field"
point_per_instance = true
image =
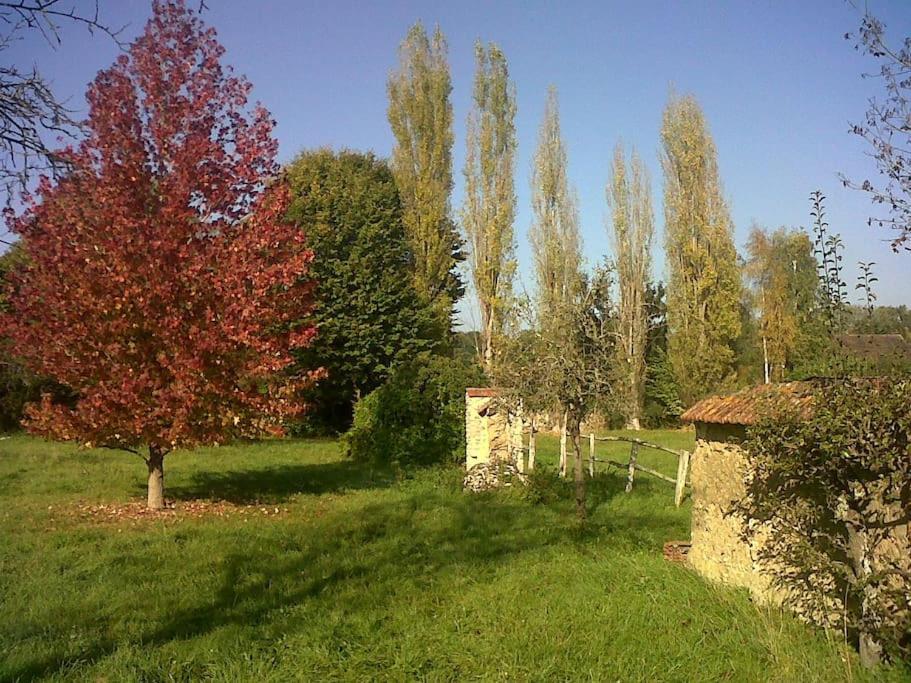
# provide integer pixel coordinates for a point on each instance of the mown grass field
(363, 576)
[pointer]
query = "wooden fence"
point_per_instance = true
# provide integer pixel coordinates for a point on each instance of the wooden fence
(631, 466)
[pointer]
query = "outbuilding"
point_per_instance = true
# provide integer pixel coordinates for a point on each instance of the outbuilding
(493, 432)
(718, 470)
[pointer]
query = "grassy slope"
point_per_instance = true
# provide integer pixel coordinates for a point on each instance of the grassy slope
(365, 578)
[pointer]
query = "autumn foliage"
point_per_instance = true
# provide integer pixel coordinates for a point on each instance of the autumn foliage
(163, 281)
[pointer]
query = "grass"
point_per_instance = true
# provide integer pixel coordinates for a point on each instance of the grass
(367, 577)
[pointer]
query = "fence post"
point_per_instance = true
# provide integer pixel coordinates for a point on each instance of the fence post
(683, 465)
(531, 447)
(591, 454)
(563, 447)
(633, 452)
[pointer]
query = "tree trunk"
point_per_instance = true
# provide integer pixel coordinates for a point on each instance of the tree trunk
(488, 344)
(155, 499)
(765, 360)
(635, 395)
(871, 650)
(579, 473)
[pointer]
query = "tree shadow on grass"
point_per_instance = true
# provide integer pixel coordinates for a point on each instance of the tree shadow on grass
(277, 484)
(361, 561)
(362, 558)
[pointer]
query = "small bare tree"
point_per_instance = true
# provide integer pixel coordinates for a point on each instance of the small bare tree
(887, 129)
(566, 359)
(32, 117)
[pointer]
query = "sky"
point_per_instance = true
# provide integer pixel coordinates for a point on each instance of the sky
(777, 80)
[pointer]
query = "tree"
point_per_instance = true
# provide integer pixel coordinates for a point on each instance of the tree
(662, 395)
(887, 129)
(163, 282)
(630, 198)
(30, 113)
(781, 270)
(830, 490)
(368, 313)
(18, 386)
(554, 234)
(703, 290)
(420, 114)
(490, 199)
(566, 358)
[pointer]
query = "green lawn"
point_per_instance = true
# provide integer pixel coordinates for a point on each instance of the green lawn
(364, 577)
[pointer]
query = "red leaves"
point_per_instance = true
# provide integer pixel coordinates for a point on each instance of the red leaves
(164, 281)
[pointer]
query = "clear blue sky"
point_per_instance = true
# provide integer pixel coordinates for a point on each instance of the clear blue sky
(777, 80)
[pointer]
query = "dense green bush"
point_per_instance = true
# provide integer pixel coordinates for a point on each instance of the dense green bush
(417, 417)
(832, 491)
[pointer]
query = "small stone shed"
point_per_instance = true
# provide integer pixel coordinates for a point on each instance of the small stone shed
(718, 468)
(492, 432)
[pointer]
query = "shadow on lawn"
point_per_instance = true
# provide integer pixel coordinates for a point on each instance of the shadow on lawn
(279, 483)
(361, 558)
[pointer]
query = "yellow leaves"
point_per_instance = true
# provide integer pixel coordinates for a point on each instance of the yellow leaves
(704, 279)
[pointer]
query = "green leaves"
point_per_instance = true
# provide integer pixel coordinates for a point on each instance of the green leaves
(369, 314)
(818, 483)
(704, 288)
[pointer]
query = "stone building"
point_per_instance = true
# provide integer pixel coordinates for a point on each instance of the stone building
(492, 432)
(718, 468)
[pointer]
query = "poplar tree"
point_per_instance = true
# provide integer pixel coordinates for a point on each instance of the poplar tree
(703, 293)
(630, 199)
(420, 114)
(490, 200)
(554, 233)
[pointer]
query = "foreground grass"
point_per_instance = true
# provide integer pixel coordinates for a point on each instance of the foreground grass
(366, 577)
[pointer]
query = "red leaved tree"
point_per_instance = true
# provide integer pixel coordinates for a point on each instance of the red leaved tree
(163, 282)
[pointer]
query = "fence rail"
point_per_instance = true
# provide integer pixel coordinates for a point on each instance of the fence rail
(632, 465)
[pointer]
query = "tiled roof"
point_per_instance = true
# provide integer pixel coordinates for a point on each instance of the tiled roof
(746, 406)
(482, 392)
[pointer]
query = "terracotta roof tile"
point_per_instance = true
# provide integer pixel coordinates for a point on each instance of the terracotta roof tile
(746, 406)
(481, 392)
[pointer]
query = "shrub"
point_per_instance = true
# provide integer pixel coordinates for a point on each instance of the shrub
(545, 486)
(417, 417)
(832, 491)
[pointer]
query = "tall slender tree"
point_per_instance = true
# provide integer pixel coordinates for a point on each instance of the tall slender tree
(630, 198)
(704, 287)
(554, 233)
(490, 198)
(420, 114)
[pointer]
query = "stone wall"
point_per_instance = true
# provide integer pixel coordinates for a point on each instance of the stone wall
(491, 431)
(717, 472)
(718, 550)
